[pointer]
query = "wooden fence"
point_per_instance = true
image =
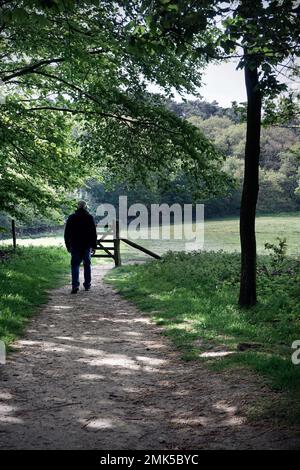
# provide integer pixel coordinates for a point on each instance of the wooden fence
(109, 244)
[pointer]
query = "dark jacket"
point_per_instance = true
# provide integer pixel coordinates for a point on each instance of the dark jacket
(80, 231)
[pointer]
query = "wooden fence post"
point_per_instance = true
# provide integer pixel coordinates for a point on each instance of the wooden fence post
(117, 243)
(13, 231)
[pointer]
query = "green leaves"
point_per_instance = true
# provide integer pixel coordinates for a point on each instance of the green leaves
(278, 254)
(76, 77)
(284, 110)
(36, 163)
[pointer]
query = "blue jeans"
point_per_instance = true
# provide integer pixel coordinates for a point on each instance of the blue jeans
(79, 255)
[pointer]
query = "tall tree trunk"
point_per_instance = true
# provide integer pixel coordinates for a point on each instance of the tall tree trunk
(250, 190)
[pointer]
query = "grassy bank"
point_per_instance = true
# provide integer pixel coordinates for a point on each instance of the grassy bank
(25, 277)
(194, 297)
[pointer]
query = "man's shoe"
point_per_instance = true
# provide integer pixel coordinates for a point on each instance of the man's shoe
(74, 290)
(88, 288)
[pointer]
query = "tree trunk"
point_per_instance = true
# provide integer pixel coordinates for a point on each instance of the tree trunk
(250, 190)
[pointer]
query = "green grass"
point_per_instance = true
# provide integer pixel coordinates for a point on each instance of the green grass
(194, 297)
(25, 278)
(222, 234)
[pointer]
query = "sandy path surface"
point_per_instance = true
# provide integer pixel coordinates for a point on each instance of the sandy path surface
(92, 372)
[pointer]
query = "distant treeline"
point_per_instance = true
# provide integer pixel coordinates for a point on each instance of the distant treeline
(279, 162)
(279, 168)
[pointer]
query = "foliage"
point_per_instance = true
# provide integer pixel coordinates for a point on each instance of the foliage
(203, 109)
(256, 33)
(286, 109)
(77, 100)
(22, 292)
(279, 163)
(278, 253)
(198, 312)
(264, 36)
(38, 163)
(75, 77)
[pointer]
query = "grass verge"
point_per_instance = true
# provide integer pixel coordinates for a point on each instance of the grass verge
(25, 277)
(194, 297)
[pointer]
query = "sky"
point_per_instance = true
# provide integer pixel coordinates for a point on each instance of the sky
(223, 84)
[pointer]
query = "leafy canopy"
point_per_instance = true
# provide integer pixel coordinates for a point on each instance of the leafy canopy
(263, 34)
(76, 77)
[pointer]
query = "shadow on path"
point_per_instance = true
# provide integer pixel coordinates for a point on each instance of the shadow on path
(92, 372)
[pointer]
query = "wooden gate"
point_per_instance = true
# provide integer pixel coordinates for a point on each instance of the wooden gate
(109, 244)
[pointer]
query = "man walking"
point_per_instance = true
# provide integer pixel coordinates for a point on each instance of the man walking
(81, 242)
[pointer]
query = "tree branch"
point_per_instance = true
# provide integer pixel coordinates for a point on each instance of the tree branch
(102, 114)
(31, 68)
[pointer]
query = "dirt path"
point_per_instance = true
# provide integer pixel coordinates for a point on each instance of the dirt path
(92, 372)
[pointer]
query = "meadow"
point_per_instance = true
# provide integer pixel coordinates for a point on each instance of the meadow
(220, 234)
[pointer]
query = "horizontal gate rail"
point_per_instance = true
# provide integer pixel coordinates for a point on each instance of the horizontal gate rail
(113, 250)
(141, 248)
